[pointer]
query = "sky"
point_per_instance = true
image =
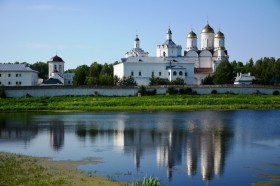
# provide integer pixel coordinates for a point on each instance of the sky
(84, 31)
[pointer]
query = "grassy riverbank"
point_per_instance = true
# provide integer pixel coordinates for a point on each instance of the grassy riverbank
(27, 171)
(144, 103)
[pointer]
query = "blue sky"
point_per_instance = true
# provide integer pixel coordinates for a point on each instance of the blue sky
(84, 31)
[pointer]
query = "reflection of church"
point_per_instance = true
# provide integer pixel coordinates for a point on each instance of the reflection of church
(57, 135)
(203, 141)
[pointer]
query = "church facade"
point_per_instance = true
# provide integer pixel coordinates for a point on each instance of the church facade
(169, 63)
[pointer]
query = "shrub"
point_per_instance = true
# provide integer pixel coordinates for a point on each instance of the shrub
(151, 92)
(185, 90)
(142, 89)
(214, 92)
(2, 92)
(171, 90)
(276, 92)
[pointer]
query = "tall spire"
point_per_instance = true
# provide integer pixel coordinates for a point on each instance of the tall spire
(169, 34)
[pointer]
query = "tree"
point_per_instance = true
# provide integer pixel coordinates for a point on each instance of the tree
(177, 81)
(224, 73)
(42, 68)
(208, 80)
(95, 69)
(157, 81)
(127, 81)
(81, 75)
(106, 79)
(70, 71)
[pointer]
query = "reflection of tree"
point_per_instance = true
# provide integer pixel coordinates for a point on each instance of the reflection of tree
(17, 127)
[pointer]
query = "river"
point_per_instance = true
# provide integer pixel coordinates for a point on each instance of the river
(180, 148)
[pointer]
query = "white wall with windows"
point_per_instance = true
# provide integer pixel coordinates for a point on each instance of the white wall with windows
(17, 75)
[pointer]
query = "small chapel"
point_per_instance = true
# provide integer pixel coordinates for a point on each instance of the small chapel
(193, 65)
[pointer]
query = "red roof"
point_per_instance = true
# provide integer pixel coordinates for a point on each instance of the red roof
(203, 70)
(56, 58)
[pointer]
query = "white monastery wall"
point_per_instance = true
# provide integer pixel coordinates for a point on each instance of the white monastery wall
(132, 91)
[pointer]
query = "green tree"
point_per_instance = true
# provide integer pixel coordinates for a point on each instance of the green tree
(127, 81)
(106, 79)
(177, 81)
(157, 81)
(95, 69)
(208, 80)
(224, 73)
(42, 68)
(81, 75)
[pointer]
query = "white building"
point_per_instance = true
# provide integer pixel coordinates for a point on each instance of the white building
(193, 66)
(56, 73)
(244, 79)
(17, 75)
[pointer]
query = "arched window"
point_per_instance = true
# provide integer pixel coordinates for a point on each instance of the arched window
(186, 74)
(180, 73)
(174, 73)
(163, 54)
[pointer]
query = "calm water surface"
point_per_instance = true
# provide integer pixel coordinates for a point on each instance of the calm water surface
(190, 148)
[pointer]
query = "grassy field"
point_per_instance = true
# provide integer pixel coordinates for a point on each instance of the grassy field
(144, 103)
(28, 171)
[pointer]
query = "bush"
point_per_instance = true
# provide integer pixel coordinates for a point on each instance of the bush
(185, 90)
(214, 92)
(151, 92)
(171, 90)
(2, 92)
(142, 89)
(276, 92)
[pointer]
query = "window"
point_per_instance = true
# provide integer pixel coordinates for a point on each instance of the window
(16, 75)
(180, 73)
(9, 83)
(174, 73)
(132, 73)
(9, 75)
(55, 67)
(16, 83)
(19, 75)
(153, 73)
(140, 73)
(69, 82)
(60, 68)
(0, 83)
(186, 74)
(20, 83)
(0, 75)
(169, 73)
(159, 73)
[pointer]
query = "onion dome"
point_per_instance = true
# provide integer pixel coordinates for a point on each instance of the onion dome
(219, 34)
(56, 58)
(207, 29)
(136, 38)
(192, 35)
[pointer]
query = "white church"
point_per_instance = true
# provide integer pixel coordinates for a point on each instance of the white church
(193, 66)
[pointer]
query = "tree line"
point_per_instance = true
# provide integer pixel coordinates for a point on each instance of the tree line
(266, 71)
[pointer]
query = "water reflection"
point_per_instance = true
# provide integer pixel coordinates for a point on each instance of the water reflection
(172, 140)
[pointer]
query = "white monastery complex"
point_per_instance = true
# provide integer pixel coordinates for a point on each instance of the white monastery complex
(169, 63)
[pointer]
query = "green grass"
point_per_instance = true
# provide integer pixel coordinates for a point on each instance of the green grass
(144, 103)
(19, 170)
